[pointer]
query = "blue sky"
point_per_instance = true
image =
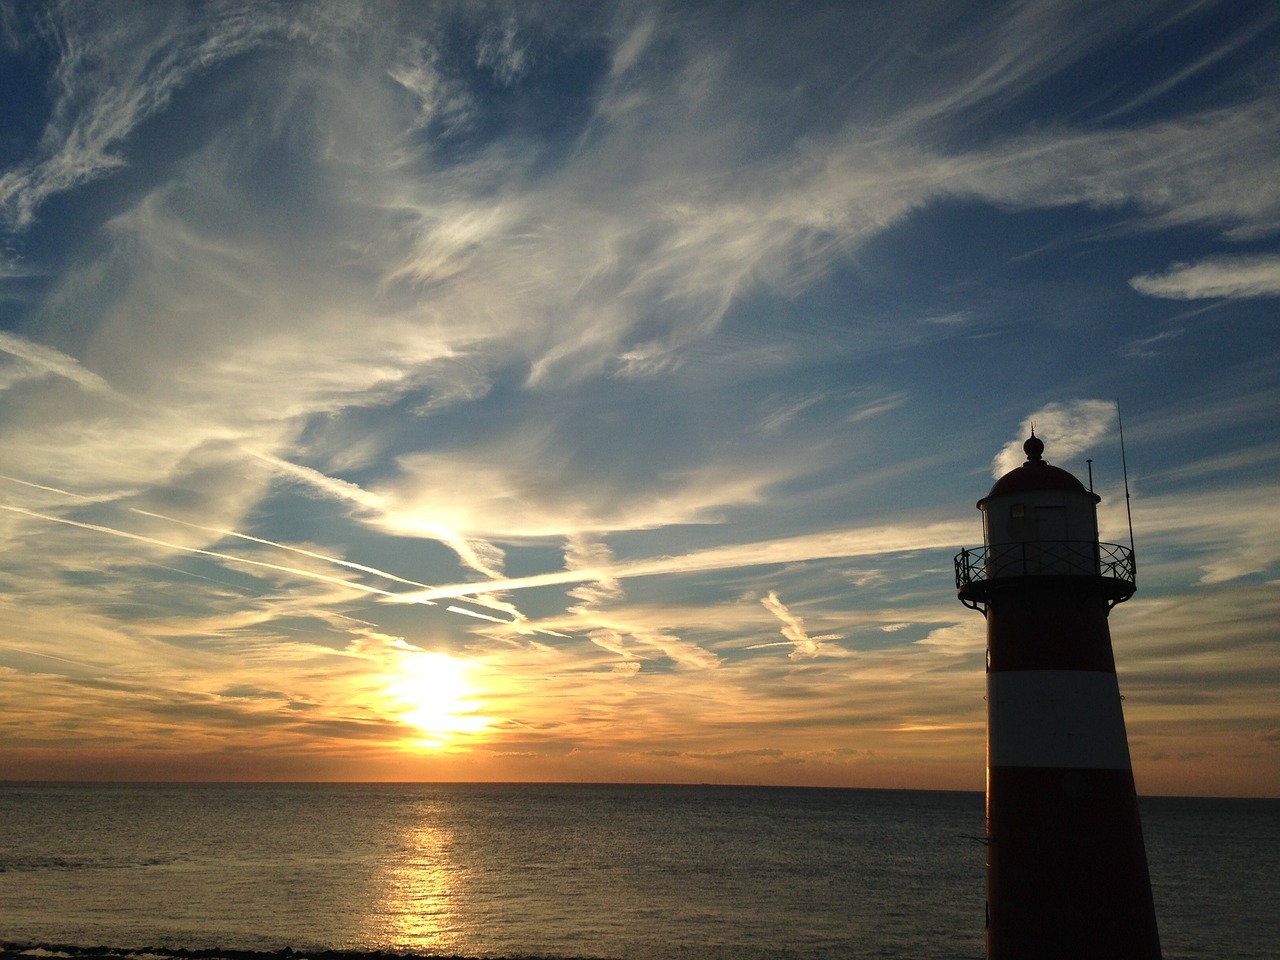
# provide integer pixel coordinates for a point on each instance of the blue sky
(600, 391)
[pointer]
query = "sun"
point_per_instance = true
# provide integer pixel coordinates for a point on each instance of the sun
(434, 695)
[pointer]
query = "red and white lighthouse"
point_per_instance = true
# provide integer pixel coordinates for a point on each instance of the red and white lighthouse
(1066, 865)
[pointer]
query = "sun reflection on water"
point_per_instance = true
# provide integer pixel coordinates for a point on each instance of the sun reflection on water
(421, 892)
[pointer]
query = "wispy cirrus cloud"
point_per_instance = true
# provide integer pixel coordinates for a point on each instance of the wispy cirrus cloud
(115, 71)
(1231, 277)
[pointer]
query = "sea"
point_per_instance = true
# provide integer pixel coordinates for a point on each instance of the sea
(571, 870)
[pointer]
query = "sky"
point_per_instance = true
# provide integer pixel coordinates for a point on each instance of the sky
(600, 391)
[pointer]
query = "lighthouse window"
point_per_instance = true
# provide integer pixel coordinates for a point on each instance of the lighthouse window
(1018, 510)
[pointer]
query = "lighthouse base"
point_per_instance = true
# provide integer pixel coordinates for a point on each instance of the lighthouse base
(1066, 866)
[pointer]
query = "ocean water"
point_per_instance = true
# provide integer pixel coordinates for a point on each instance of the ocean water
(643, 872)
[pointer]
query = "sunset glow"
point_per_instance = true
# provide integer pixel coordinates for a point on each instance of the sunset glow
(437, 698)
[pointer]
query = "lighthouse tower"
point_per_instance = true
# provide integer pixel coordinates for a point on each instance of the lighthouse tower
(1066, 866)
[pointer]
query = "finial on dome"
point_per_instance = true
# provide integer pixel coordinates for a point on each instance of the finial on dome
(1034, 447)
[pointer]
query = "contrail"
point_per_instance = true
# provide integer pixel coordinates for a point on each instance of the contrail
(221, 531)
(60, 364)
(47, 656)
(794, 630)
(477, 614)
(296, 571)
(351, 564)
(41, 486)
(233, 533)
(857, 541)
(309, 574)
(484, 616)
(852, 542)
(343, 490)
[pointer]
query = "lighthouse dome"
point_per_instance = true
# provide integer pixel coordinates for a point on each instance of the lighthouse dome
(1036, 475)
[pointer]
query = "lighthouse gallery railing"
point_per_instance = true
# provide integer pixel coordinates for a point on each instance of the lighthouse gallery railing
(1037, 558)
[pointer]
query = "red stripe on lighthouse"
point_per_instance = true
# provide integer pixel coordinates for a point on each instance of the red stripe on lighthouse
(1066, 867)
(1034, 626)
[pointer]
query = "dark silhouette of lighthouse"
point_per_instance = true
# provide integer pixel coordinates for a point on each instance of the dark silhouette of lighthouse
(1066, 866)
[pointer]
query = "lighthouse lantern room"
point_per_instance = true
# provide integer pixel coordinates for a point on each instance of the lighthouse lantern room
(1039, 520)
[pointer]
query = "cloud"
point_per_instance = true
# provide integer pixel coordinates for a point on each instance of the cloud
(1224, 533)
(482, 557)
(877, 540)
(1067, 429)
(804, 646)
(1145, 347)
(1230, 277)
(500, 52)
(525, 490)
(190, 492)
(585, 269)
(167, 545)
(1212, 169)
(116, 70)
(582, 552)
(875, 408)
(37, 360)
(586, 297)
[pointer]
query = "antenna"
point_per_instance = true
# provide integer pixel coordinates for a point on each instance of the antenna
(1124, 466)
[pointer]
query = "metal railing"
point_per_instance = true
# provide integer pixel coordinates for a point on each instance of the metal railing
(1038, 558)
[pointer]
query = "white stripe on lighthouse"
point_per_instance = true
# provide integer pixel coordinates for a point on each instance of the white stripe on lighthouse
(1055, 718)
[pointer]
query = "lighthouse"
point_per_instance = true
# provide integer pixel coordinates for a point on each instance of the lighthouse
(1066, 865)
